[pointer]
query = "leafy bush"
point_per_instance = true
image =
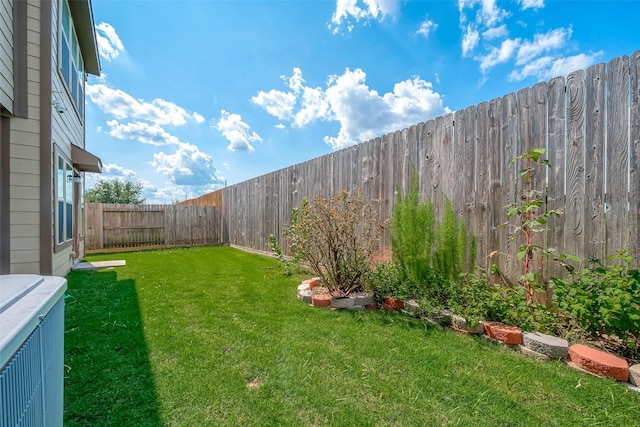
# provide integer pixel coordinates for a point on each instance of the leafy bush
(386, 279)
(604, 301)
(337, 237)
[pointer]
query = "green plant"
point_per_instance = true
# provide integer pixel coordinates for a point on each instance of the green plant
(412, 233)
(387, 279)
(533, 218)
(471, 298)
(604, 300)
(290, 265)
(337, 238)
(454, 254)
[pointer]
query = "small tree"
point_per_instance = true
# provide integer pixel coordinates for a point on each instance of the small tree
(337, 237)
(115, 191)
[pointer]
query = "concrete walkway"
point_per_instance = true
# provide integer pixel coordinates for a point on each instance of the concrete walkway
(98, 265)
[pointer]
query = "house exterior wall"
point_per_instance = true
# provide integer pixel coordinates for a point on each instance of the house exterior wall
(24, 161)
(33, 133)
(66, 129)
(6, 55)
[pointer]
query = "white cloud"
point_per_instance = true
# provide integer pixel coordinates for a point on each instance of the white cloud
(198, 118)
(495, 32)
(275, 102)
(146, 133)
(187, 166)
(109, 44)
(315, 106)
(564, 66)
(532, 4)
(535, 68)
(122, 105)
(470, 40)
(547, 67)
(490, 14)
(236, 132)
(364, 114)
(296, 81)
(488, 21)
(426, 27)
(349, 10)
(360, 110)
(112, 169)
(498, 55)
(542, 43)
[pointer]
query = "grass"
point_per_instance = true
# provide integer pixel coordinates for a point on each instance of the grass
(216, 336)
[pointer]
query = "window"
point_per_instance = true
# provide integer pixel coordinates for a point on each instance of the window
(71, 63)
(64, 202)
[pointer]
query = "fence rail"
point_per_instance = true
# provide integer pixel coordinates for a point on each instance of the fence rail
(589, 123)
(116, 226)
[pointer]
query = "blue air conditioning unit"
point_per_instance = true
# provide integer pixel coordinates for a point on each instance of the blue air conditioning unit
(31, 350)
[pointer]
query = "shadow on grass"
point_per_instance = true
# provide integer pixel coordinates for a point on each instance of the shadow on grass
(108, 375)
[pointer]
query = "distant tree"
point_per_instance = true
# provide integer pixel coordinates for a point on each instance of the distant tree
(115, 191)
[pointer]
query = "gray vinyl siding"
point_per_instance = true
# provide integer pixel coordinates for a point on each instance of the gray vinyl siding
(6, 55)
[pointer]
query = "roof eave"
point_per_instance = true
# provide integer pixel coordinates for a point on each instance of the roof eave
(82, 14)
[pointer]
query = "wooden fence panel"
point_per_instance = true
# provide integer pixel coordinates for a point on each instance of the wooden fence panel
(470, 157)
(508, 145)
(496, 199)
(114, 226)
(457, 197)
(575, 154)
(595, 162)
(481, 197)
(634, 158)
(617, 152)
(556, 157)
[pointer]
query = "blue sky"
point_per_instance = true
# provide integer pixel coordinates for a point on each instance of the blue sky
(194, 94)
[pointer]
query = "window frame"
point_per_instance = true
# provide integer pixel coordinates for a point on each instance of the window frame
(70, 68)
(64, 231)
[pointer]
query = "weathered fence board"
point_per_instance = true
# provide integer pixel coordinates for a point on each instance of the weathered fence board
(634, 158)
(508, 147)
(483, 186)
(111, 226)
(575, 153)
(556, 155)
(617, 152)
(595, 162)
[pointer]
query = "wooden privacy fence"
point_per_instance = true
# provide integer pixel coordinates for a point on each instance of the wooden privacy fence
(589, 123)
(116, 226)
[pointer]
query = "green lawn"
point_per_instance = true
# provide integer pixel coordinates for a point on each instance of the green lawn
(217, 337)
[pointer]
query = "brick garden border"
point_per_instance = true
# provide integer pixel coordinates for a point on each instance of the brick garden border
(534, 344)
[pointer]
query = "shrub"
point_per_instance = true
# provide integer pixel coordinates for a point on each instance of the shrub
(412, 233)
(337, 237)
(603, 301)
(454, 254)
